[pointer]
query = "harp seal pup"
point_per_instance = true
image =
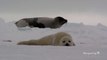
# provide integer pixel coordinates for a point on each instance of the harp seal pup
(42, 22)
(58, 39)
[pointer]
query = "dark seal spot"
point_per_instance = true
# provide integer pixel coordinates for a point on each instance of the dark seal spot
(40, 25)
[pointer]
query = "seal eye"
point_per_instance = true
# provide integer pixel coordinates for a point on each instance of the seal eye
(69, 41)
(63, 41)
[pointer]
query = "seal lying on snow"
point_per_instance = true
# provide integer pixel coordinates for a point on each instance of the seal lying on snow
(42, 22)
(58, 39)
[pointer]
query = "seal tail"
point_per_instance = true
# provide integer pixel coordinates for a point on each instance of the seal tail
(30, 42)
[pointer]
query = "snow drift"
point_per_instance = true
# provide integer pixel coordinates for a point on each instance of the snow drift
(91, 43)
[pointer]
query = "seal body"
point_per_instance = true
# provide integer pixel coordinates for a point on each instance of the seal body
(42, 22)
(58, 39)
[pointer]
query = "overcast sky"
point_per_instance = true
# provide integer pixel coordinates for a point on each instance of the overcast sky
(86, 11)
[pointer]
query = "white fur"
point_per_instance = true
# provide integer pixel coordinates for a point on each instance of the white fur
(54, 39)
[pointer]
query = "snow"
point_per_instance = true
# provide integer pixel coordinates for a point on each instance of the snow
(91, 43)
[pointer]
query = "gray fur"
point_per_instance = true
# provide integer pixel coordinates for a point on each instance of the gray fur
(41, 22)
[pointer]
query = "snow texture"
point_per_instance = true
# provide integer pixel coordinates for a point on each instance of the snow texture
(91, 43)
